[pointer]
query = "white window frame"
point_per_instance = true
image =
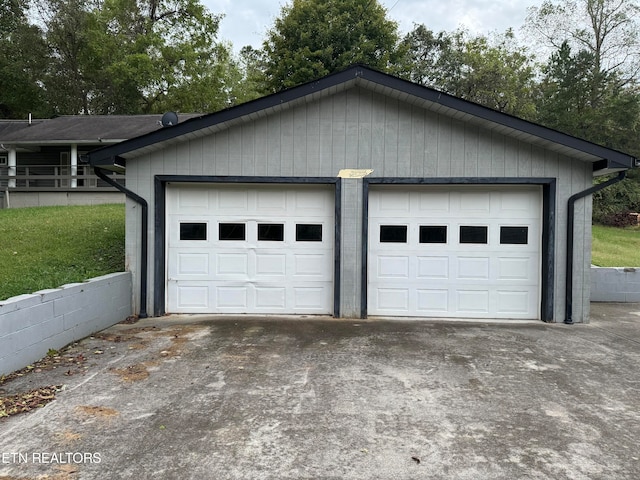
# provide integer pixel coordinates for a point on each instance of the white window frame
(4, 160)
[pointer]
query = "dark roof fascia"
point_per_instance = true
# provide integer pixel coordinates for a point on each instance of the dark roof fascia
(56, 143)
(615, 158)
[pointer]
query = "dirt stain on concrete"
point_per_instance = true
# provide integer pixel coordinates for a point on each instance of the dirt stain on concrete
(97, 411)
(132, 373)
(67, 437)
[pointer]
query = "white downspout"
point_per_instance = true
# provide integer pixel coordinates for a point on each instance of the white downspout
(74, 166)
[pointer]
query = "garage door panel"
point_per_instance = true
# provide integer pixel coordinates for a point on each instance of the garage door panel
(311, 298)
(511, 302)
(308, 205)
(270, 265)
(433, 204)
(433, 268)
(191, 296)
(472, 204)
(230, 296)
(194, 200)
(496, 274)
(515, 205)
(393, 266)
(472, 268)
(393, 300)
(231, 201)
(472, 301)
(190, 265)
(234, 264)
(267, 249)
(516, 268)
(271, 298)
(193, 264)
(311, 265)
(271, 202)
(397, 205)
(432, 301)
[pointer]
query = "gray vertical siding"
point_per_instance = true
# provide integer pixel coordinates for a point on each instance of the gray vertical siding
(351, 258)
(359, 128)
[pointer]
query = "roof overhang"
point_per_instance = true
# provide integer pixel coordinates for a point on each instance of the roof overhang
(605, 160)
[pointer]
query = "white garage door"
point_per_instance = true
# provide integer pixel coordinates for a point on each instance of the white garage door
(250, 249)
(457, 252)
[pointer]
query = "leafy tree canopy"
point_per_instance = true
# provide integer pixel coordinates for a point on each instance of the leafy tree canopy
(587, 103)
(608, 29)
(22, 56)
(313, 38)
(134, 56)
(494, 72)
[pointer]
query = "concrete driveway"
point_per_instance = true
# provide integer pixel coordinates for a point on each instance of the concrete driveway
(302, 398)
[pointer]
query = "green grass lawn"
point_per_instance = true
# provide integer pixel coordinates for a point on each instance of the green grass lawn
(615, 247)
(47, 247)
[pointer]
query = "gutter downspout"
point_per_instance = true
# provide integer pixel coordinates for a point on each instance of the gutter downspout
(568, 318)
(143, 236)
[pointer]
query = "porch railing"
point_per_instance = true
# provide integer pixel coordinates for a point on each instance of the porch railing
(55, 177)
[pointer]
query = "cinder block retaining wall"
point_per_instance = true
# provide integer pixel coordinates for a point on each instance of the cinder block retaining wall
(19, 199)
(615, 284)
(32, 324)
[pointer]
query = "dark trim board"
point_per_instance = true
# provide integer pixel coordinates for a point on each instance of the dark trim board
(548, 228)
(160, 227)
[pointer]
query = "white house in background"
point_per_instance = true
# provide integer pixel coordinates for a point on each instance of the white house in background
(358, 195)
(41, 159)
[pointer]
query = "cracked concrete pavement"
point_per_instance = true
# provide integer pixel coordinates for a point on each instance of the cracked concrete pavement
(193, 397)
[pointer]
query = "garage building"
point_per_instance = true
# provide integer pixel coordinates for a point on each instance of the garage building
(358, 195)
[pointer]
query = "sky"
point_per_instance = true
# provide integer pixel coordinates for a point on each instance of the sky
(246, 21)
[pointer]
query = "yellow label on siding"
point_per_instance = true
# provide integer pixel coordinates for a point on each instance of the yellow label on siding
(354, 173)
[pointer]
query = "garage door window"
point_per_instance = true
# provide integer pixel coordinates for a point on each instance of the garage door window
(308, 233)
(514, 235)
(473, 234)
(193, 231)
(232, 231)
(271, 232)
(433, 234)
(393, 234)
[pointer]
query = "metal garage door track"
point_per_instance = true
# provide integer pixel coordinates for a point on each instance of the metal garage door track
(297, 398)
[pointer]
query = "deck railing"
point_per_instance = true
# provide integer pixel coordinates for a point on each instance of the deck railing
(55, 177)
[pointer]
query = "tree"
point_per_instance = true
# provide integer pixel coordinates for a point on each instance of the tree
(135, 56)
(22, 55)
(588, 104)
(313, 38)
(251, 82)
(597, 107)
(593, 92)
(493, 72)
(67, 81)
(432, 59)
(607, 29)
(12, 14)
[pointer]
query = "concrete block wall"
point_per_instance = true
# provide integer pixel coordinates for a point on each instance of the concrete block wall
(21, 199)
(32, 324)
(615, 284)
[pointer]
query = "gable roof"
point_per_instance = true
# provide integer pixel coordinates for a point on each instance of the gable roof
(78, 129)
(8, 128)
(605, 160)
